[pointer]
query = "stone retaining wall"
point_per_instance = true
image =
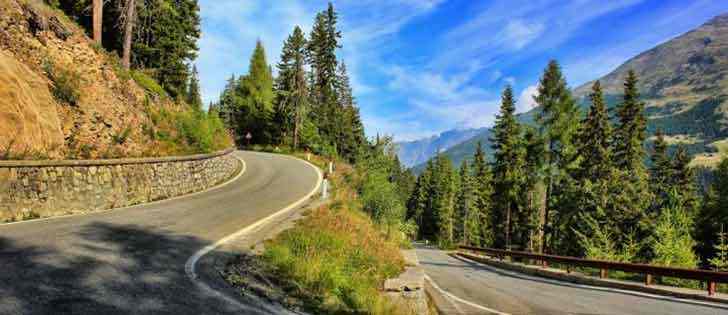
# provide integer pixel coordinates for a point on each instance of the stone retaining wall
(34, 189)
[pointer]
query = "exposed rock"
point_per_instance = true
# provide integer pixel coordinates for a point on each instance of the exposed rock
(28, 117)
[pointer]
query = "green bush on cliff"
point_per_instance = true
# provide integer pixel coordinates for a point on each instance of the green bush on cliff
(66, 83)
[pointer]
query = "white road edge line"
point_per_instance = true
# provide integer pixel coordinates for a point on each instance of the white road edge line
(191, 263)
(463, 301)
(111, 210)
(598, 288)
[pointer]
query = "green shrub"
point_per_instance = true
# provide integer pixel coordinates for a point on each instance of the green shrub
(336, 258)
(121, 137)
(66, 83)
(148, 83)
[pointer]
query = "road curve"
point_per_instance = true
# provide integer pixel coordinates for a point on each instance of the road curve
(132, 260)
(478, 289)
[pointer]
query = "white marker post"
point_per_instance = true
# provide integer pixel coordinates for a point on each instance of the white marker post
(325, 188)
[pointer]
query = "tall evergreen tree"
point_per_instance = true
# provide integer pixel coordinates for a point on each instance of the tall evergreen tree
(683, 180)
(483, 196)
(256, 91)
(535, 187)
(507, 172)
(559, 120)
(595, 179)
(418, 201)
(595, 138)
(466, 223)
(631, 131)
(713, 213)
(444, 200)
(194, 98)
(292, 101)
(349, 131)
(322, 45)
(165, 39)
(227, 107)
(661, 172)
(635, 196)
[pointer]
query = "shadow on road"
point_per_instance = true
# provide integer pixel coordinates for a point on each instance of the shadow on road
(104, 269)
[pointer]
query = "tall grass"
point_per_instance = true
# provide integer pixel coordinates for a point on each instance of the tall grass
(336, 259)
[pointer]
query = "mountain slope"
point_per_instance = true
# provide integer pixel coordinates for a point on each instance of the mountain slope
(419, 151)
(63, 97)
(684, 83)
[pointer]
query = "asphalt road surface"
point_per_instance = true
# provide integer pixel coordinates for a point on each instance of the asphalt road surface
(133, 260)
(485, 290)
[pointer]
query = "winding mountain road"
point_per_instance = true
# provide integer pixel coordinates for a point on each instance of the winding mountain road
(132, 260)
(473, 288)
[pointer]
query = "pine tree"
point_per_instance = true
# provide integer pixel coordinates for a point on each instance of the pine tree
(661, 172)
(350, 131)
(444, 200)
(324, 41)
(165, 39)
(673, 243)
(194, 98)
(683, 179)
(559, 121)
(714, 212)
(227, 104)
(720, 261)
(292, 101)
(507, 172)
(535, 187)
(631, 131)
(466, 223)
(595, 138)
(635, 196)
(256, 91)
(418, 201)
(483, 196)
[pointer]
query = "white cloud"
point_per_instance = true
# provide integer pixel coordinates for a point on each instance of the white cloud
(518, 33)
(525, 99)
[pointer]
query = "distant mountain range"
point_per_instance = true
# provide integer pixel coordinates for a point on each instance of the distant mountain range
(416, 152)
(684, 83)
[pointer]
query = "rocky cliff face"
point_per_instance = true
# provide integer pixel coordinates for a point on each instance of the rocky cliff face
(109, 112)
(28, 115)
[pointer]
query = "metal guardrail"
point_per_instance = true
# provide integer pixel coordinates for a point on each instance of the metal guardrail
(710, 277)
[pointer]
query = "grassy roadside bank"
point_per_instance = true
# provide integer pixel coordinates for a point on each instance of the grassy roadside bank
(334, 260)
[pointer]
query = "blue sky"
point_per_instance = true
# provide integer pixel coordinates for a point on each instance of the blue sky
(420, 67)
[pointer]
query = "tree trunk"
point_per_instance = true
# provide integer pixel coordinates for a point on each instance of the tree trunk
(508, 226)
(296, 126)
(128, 29)
(98, 12)
(545, 214)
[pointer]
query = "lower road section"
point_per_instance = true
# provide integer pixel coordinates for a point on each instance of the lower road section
(133, 260)
(473, 288)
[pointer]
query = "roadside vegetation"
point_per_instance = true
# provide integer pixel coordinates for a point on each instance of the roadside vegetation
(336, 259)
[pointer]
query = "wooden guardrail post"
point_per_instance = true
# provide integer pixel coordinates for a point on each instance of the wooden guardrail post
(603, 273)
(711, 288)
(648, 279)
